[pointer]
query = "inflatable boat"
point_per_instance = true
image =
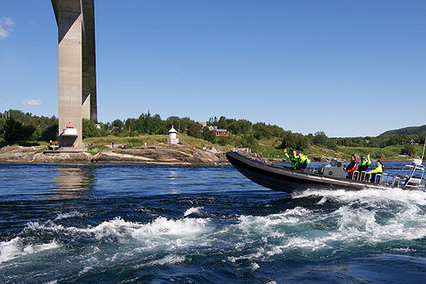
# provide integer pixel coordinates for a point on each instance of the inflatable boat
(333, 175)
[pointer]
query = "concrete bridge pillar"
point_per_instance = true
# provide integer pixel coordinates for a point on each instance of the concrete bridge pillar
(77, 67)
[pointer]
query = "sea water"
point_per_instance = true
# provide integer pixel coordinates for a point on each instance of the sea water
(136, 223)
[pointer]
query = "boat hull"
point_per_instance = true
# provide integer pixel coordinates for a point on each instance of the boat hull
(286, 179)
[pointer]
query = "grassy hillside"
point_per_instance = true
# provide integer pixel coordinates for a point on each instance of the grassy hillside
(150, 140)
(135, 141)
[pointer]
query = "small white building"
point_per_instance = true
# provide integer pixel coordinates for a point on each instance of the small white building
(172, 139)
(69, 135)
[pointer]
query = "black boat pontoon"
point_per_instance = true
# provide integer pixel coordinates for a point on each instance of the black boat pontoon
(286, 179)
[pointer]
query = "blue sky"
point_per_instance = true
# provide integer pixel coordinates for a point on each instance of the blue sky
(348, 68)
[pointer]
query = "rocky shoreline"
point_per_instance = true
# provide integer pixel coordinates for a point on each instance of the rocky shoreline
(161, 154)
(158, 154)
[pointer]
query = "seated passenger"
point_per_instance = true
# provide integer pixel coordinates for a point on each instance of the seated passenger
(363, 164)
(351, 167)
(301, 162)
(378, 170)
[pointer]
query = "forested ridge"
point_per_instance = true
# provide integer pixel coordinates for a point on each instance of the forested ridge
(412, 130)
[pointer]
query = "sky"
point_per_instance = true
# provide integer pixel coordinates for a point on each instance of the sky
(348, 68)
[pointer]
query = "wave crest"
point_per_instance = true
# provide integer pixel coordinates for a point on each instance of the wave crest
(16, 247)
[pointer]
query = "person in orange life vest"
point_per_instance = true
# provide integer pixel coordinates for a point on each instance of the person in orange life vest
(353, 165)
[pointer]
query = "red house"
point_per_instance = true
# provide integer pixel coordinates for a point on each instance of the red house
(221, 132)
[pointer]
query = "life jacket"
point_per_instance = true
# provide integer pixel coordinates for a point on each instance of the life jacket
(293, 158)
(353, 166)
(365, 162)
(304, 160)
(378, 170)
(287, 156)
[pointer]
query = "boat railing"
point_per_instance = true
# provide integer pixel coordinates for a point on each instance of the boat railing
(395, 180)
(355, 175)
(385, 179)
(378, 179)
(365, 176)
(361, 176)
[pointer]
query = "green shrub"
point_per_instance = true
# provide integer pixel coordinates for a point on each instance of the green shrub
(408, 149)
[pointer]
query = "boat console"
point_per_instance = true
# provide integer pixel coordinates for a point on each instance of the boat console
(333, 170)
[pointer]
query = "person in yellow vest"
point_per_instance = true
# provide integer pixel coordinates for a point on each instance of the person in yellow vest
(293, 158)
(301, 162)
(363, 164)
(378, 170)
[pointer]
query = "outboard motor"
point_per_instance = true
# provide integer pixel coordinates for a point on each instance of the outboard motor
(334, 169)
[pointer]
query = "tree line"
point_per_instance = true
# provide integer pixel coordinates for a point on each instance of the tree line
(18, 126)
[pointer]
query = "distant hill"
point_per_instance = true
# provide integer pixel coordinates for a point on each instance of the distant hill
(406, 130)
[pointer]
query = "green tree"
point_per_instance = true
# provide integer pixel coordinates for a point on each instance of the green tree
(301, 141)
(249, 141)
(16, 131)
(50, 133)
(131, 125)
(173, 121)
(243, 126)
(261, 130)
(117, 125)
(146, 123)
(319, 138)
(222, 123)
(30, 122)
(208, 135)
(2, 124)
(195, 130)
(90, 129)
(288, 141)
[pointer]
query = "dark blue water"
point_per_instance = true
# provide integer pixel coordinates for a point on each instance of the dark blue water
(134, 223)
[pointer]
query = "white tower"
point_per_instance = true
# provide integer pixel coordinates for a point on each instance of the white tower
(172, 136)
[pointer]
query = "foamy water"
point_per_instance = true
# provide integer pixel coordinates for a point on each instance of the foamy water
(17, 247)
